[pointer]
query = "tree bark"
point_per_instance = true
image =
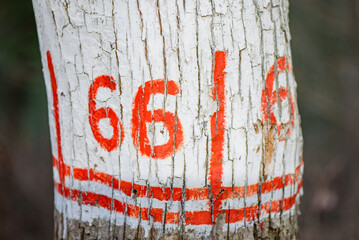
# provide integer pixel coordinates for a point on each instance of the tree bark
(172, 119)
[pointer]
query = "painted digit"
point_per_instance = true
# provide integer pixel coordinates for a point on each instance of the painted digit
(269, 99)
(141, 117)
(95, 115)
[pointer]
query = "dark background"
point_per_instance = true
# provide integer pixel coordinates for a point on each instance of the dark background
(325, 47)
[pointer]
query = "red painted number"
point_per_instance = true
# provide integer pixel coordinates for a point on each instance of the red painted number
(269, 99)
(95, 115)
(141, 117)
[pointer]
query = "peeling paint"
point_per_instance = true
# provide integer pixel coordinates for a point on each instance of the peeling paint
(171, 118)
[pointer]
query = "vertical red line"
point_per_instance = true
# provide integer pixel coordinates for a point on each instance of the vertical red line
(217, 132)
(60, 161)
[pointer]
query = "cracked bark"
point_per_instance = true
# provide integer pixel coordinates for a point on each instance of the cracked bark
(254, 194)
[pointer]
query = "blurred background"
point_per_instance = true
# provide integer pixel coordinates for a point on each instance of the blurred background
(325, 47)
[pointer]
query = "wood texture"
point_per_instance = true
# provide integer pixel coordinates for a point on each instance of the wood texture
(172, 119)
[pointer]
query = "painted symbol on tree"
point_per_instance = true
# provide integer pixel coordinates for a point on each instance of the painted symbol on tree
(95, 115)
(215, 194)
(141, 117)
(270, 99)
(59, 162)
(218, 124)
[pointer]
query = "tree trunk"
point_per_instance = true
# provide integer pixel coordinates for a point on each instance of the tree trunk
(172, 119)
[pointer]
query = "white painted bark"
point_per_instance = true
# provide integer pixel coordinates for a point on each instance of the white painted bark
(135, 42)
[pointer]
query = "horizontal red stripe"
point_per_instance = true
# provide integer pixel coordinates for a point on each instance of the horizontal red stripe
(198, 218)
(268, 186)
(164, 194)
(94, 199)
(249, 213)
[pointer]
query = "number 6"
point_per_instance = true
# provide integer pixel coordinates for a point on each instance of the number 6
(95, 115)
(141, 116)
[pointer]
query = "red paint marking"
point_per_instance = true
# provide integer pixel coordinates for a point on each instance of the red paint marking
(249, 213)
(141, 116)
(269, 98)
(95, 115)
(192, 218)
(268, 186)
(217, 132)
(198, 218)
(60, 162)
(164, 194)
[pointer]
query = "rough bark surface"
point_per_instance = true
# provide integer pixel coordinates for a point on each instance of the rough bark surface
(172, 119)
(102, 229)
